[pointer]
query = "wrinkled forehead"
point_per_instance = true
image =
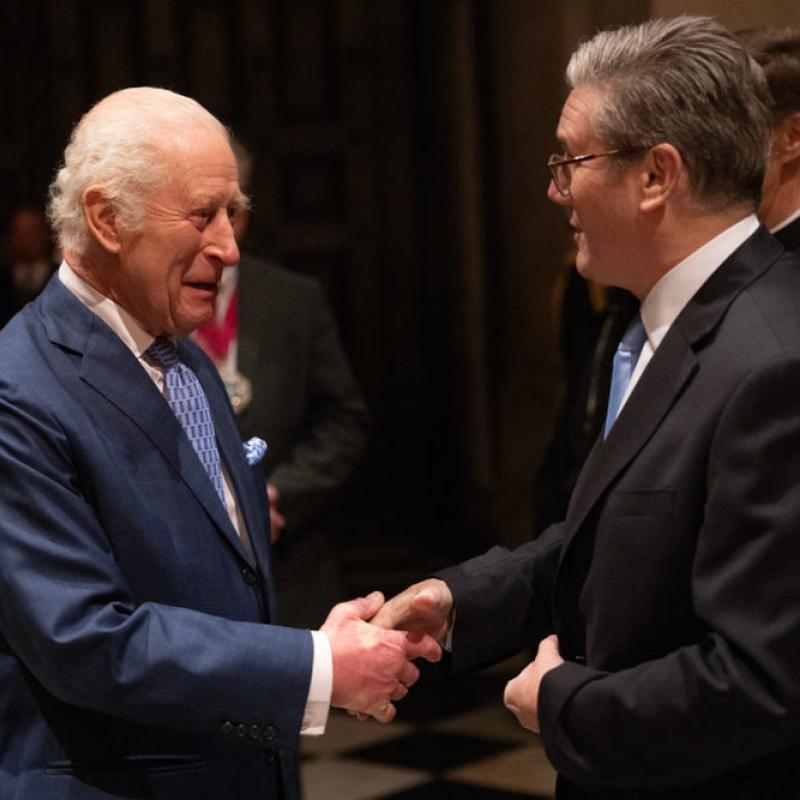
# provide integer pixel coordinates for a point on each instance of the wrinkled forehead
(204, 166)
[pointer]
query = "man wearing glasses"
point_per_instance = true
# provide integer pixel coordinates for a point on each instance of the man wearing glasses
(665, 606)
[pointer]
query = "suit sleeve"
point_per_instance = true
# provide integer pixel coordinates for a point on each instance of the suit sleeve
(502, 600)
(733, 695)
(68, 614)
(334, 436)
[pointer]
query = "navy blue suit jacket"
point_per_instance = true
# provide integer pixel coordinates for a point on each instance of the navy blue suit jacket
(135, 658)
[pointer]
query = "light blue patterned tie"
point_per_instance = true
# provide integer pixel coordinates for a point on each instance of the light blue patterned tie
(625, 359)
(187, 399)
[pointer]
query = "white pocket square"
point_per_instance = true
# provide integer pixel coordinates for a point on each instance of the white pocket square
(254, 450)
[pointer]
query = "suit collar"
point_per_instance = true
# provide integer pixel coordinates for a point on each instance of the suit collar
(671, 368)
(112, 370)
(789, 236)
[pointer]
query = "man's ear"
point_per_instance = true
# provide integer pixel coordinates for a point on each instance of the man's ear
(101, 217)
(788, 135)
(660, 174)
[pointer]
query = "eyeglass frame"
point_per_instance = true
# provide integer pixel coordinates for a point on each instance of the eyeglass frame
(555, 162)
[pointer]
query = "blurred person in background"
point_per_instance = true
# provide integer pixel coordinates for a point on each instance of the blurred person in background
(275, 342)
(30, 260)
(778, 52)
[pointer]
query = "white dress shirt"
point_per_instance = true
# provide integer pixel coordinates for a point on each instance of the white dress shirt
(677, 287)
(137, 340)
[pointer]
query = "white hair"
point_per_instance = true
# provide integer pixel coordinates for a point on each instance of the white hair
(122, 145)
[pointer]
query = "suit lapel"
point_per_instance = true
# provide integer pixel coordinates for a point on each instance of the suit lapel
(672, 367)
(660, 385)
(111, 369)
(230, 446)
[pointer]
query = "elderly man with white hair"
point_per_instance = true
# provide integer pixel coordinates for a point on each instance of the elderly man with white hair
(137, 658)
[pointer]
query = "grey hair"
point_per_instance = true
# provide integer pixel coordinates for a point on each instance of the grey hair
(122, 145)
(688, 82)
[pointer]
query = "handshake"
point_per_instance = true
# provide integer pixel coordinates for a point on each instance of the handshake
(374, 644)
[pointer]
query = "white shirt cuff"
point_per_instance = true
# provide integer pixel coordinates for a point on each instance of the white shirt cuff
(318, 704)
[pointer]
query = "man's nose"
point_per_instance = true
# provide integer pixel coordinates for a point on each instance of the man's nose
(554, 196)
(222, 240)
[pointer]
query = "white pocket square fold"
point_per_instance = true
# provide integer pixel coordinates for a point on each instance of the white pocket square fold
(254, 450)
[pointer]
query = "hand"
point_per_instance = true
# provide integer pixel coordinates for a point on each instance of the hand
(522, 693)
(277, 522)
(423, 609)
(372, 667)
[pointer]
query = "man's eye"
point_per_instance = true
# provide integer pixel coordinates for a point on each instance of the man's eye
(202, 216)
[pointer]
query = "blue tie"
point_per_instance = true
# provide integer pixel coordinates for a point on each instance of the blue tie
(624, 362)
(188, 401)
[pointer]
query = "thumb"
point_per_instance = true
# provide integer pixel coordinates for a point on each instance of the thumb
(358, 608)
(428, 601)
(366, 607)
(549, 646)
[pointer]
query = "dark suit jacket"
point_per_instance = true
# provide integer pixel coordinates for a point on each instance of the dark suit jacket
(673, 583)
(135, 658)
(306, 405)
(789, 236)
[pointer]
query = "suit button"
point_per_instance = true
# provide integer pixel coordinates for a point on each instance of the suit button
(255, 732)
(241, 730)
(249, 576)
(269, 757)
(227, 727)
(270, 734)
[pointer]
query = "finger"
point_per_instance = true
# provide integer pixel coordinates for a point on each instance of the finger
(510, 699)
(383, 712)
(358, 608)
(409, 674)
(430, 601)
(400, 692)
(393, 614)
(548, 646)
(427, 647)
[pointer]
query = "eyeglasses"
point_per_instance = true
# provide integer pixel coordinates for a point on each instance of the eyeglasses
(562, 176)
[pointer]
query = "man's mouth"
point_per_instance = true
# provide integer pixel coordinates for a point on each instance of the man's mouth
(203, 285)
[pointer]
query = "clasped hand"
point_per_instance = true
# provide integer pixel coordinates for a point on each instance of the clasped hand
(372, 666)
(425, 611)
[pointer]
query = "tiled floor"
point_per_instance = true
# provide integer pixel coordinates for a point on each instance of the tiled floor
(452, 738)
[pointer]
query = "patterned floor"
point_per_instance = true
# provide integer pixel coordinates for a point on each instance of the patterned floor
(452, 738)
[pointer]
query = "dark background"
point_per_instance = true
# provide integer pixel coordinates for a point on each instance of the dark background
(400, 150)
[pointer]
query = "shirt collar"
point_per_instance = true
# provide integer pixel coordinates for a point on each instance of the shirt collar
(133, 335)
(788, 221)
(676, 287)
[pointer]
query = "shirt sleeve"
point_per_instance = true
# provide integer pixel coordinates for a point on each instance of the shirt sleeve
(318, 704)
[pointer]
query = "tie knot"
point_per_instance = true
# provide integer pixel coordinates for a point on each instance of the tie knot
(163, 353)
(634, 337)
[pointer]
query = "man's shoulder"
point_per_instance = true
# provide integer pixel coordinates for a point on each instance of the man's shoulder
(775, 296)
